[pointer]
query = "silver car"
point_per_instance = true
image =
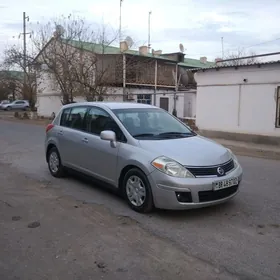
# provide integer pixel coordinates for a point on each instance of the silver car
(16, 105)
(150, 156)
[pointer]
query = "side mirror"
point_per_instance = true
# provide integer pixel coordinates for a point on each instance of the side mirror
(109, 135)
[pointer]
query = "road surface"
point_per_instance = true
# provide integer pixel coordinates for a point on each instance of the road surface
(240, 239)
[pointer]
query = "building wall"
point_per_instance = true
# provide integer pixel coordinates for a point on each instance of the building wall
(190, 104)
(238, 100)
(50, 101)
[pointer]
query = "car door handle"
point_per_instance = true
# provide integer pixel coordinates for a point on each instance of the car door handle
(60, 132)
(85, 140)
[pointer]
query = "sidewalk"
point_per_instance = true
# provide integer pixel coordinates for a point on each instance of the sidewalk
(251, 149)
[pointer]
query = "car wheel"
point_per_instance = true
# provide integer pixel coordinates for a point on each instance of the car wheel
(8, 108)
(137, 191)
(54, 163)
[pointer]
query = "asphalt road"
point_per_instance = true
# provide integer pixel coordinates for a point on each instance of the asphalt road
(241, 237)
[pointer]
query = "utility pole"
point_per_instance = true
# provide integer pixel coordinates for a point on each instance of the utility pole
(222, 40)
(120, 28)
(149, 31)
(24, 48)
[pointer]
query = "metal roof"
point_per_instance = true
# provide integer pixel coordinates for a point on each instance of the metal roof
(101, 49)
(234, 66)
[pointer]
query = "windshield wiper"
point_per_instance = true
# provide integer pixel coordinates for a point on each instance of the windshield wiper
(176, 134)
(143, 135)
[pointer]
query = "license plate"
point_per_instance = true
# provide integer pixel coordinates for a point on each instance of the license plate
(225, 184)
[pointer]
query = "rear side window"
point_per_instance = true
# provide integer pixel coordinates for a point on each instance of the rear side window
(65, 117)
(74, 118)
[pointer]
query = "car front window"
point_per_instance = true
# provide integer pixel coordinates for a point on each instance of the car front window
(152, 123)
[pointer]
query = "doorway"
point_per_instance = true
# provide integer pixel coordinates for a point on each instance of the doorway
(164, 103)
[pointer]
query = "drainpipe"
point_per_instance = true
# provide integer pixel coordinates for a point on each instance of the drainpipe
(239, 105)
(155, 89)
(124, 78)
(176, 89)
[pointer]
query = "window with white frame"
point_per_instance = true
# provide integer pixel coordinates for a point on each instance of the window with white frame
(277, 121)
(144, 98)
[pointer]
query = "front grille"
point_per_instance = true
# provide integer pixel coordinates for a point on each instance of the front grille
(211, 170)
(205, 196)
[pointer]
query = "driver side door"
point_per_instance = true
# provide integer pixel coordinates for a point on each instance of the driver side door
(18, 105)
(101, 158)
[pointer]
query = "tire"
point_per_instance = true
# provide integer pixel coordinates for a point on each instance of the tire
(8, 108)
(142, 186)
(56, 169)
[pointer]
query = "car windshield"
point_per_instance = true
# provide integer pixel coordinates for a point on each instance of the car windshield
(152, 123)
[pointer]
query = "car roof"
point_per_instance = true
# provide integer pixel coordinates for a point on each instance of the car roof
(112, 105)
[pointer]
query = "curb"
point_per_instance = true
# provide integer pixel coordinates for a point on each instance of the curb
(258, 153)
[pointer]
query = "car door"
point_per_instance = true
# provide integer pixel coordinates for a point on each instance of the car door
(59, 135)
(16, 105)
(101, 157)
(72, 136)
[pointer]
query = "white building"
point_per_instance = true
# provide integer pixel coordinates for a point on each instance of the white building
(240, 102)
(131, 75)
(49, 100)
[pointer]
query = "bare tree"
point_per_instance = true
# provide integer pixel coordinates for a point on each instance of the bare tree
(9, 86)
(20, 79)
(235, 58)
(73, 56)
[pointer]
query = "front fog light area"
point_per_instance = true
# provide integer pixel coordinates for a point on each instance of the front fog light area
(184, 197)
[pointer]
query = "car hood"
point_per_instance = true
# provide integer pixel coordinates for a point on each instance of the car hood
(191, 151)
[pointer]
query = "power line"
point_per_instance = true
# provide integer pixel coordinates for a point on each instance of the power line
(252, 56)
(233, 49)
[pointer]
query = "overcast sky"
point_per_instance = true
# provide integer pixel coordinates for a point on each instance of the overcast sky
(198, 24)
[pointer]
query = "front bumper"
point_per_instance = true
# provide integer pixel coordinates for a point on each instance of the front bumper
(164, 190)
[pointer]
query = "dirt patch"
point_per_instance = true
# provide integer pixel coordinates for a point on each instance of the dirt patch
(88, 242)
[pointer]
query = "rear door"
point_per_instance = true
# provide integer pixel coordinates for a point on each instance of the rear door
(72, 136)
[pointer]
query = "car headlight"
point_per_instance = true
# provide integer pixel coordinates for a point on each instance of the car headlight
(233, 157)
(171, 167)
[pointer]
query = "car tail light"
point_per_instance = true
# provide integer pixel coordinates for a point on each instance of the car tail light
(49, 127)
